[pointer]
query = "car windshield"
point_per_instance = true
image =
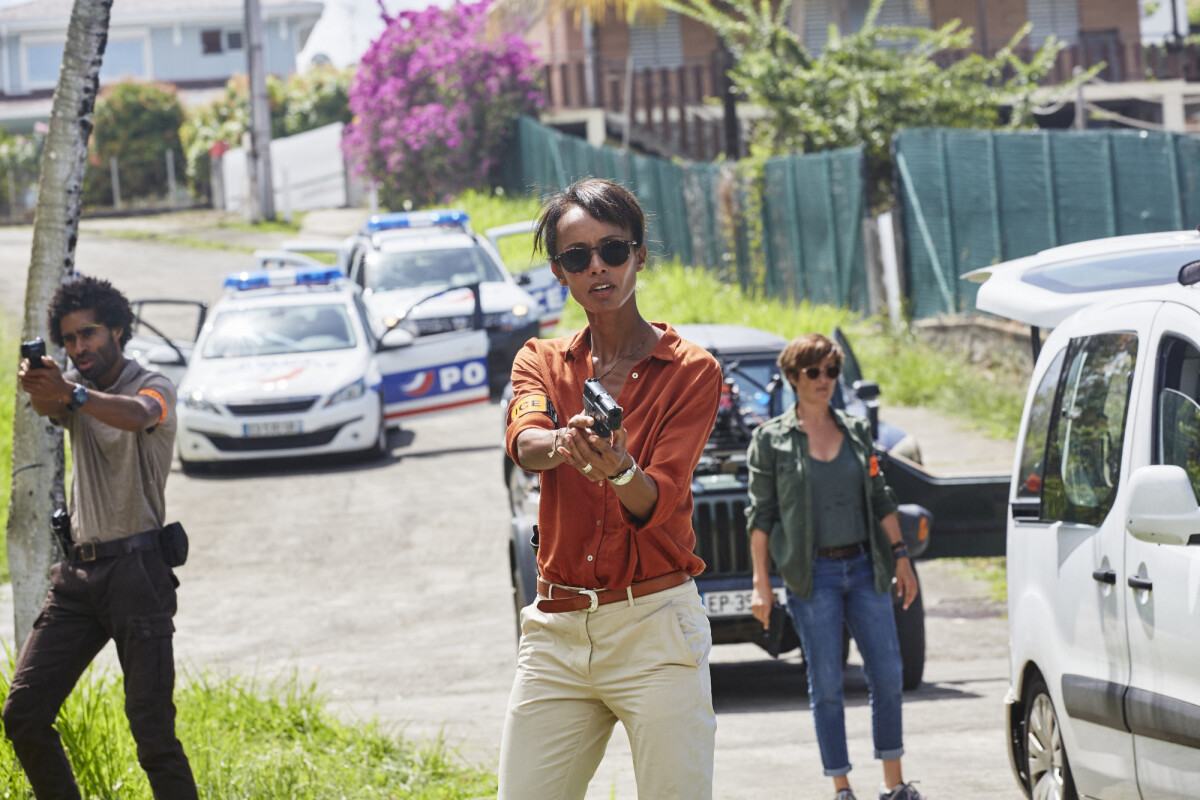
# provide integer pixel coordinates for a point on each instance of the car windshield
(272, 330)
(753, 378)
(429, 269)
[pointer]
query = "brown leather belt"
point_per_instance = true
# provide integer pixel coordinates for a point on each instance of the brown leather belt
(589, 600)
(848, 551)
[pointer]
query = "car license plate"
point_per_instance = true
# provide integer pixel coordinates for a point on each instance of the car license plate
(283, 428)
(732, 604)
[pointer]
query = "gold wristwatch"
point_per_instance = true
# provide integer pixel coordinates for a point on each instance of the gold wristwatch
(624, 476)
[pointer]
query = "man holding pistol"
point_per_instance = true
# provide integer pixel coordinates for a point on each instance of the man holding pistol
(114, 581)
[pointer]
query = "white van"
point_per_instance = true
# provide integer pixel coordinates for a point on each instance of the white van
(1103, 539)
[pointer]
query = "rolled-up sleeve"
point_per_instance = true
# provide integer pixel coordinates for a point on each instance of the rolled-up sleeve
(679, 445)
(763, 511)
(527, 379)
(883, 499)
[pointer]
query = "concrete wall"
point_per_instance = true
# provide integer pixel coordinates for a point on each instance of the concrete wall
(311, 162)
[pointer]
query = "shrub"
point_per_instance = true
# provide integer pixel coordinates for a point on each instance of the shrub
(435, 100)
(136, 123)
(305, 101)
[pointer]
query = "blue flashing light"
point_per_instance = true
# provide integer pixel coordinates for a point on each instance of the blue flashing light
(282, 278)
(417, 219)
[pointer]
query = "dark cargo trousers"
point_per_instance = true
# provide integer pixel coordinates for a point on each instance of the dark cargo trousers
(131, 600)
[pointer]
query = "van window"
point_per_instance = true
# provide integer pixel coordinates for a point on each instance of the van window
(1083, 460)
(1033, 452)
(1178, 410)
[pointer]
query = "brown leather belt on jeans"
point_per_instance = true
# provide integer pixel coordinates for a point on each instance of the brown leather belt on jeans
(848, 551)
(590, 600)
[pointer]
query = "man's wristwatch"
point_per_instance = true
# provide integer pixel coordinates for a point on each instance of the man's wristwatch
(79, 396)
(624, 476)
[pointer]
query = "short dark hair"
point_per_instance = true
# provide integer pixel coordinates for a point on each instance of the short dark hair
(85, 293)
(808, 350)
(601, 199)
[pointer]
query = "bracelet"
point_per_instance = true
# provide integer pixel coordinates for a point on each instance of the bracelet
(900, 552)
(554, 445)
(624, 476)
(898, 545)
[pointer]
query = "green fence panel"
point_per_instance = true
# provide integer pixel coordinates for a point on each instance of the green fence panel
(973, 198)
(931, 274)
(1144, 175)
(1187, 159)
(696, 212)
(1025, 189)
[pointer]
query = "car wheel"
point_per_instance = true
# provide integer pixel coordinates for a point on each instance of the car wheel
(1045, 755)
(379, 449)
(910, 630)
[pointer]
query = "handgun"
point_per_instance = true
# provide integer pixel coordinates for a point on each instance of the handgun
(600, 406)
(34, 350)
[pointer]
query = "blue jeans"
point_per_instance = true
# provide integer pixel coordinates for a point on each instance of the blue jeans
(844, 591)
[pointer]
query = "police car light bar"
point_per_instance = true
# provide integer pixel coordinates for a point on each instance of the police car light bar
(417, 219)
(279, 278)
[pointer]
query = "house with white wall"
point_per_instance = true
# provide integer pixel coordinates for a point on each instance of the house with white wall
(195, 44)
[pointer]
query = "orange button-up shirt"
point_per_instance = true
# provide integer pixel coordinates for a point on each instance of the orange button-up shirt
(587, 538)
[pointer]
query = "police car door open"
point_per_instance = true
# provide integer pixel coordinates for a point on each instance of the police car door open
(435, 373)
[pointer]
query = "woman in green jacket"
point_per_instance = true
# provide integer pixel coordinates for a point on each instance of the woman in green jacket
(819, 506)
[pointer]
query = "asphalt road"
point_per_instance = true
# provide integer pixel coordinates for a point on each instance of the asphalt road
(386, 583)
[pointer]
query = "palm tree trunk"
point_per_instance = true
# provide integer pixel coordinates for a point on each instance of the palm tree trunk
(37, 479)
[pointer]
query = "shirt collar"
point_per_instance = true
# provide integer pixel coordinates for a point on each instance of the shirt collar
(790, 421)
(666, 349)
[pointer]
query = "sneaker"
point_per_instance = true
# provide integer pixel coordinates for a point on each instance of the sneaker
(903, 791)
(844, 794)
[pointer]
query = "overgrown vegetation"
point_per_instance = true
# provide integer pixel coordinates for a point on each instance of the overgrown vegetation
(137, 123)
(8, 386)
(267, 742)
(867, 85)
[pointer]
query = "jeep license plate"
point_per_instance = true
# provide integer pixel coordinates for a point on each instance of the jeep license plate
(287, 427)
(733, 604)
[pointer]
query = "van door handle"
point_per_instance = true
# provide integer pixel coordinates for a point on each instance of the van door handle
(1140, 583)
(1105, 576)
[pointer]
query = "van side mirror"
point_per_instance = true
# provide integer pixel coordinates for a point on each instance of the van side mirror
(1162, 505)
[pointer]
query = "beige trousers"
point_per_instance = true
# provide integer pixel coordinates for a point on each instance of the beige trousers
(644, 664)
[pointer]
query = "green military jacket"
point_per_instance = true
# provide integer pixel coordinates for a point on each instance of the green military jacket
(781, 497)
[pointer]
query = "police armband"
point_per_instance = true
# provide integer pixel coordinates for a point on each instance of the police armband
(531, 404)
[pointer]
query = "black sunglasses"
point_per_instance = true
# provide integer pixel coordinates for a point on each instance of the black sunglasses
(814, 372)
(614, 252)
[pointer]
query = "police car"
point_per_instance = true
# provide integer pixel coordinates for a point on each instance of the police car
(408, 259)
(290, 362)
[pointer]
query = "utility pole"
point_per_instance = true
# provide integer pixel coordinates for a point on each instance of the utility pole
(258, 157)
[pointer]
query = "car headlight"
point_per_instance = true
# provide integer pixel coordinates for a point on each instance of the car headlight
(351, 392)
(195, 401)
(515, 318)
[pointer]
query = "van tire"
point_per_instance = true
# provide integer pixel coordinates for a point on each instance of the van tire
(1048, 771)
(910, 630)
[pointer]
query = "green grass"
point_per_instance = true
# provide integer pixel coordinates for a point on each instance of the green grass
(265, 226)
(908, 371)
(268, 742)
(179, 240)
(991, 571)
(8, 387)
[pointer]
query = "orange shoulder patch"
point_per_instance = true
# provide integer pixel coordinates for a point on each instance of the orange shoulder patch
(531, 404)
(874, 466)
(151, 393)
